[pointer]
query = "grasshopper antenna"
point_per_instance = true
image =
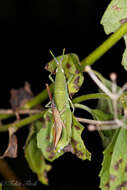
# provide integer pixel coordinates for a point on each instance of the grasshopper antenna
(63, 51)
(54, 57)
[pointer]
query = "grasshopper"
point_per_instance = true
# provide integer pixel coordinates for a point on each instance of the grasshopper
(60, 109)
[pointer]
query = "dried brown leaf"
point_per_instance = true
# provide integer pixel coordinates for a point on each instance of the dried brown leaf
(20, 97)
(11, 150)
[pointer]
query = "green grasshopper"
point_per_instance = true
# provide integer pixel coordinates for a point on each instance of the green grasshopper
(60, 109)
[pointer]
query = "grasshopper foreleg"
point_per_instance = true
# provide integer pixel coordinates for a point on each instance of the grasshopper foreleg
(73, 108)
(50, 77)
(48, 105)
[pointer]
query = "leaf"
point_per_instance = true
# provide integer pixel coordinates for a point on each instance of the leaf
(105, 105)
(35, 157)
(123, 100)
(11, 150)
(44, 138)
(72, 69)
(124, 60)
(104, 173)
(34, 129)
(77, 143)
(21, 96)
(114, 168)
(118, 167)
(100, 115)
(115, 12)
(105, 81)
(114, 16)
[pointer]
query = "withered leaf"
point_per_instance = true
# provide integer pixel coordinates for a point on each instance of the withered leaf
(11, 150)
(20, 97)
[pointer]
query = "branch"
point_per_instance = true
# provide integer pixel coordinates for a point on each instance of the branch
(96, 122)
(22, 122)
(83, 107)
(9, 175)
(83, 98)
(10, 111)
(103, 48)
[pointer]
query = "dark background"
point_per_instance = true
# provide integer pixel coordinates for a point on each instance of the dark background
(28, 30)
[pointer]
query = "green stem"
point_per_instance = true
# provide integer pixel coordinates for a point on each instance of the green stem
(83, 107)
(103, 48)
(22, 122)
(5, 116)
(89, 97)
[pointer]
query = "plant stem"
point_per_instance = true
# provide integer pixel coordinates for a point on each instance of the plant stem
(5, 116)
(89, 97)
(10, 111)
(103, 48)
(10, 176)
(96, 122)
(80, 106)
(22, 122)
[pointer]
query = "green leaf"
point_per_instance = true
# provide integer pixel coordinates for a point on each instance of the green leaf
(35, 157)
(105, 105)
(114, 168)
(105, 174)
(72, 69)
(77, 143)
(105, 81)
(114, 16)
(100, 115)
(123, 99)
(115, 12)
(124, 60)
(118, 167)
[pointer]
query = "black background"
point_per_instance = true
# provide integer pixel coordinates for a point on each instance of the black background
(28, 30)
